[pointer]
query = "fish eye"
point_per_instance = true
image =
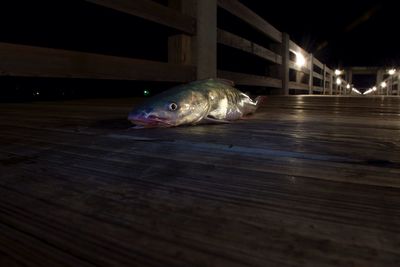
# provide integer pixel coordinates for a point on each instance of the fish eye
(173, 106)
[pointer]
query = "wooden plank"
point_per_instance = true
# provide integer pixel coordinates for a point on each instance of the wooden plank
(232, 40)
(248, 79)
(181, 47)
(398, 84)
(318, 63)
(22, 60)
(317, 75)
(152, 11)
(324, 79)
(285, 63)
(294, 66)
(365, 70)
(250, 17)
(183, 196)
(349, 75)
(298, 86)
(296, 48)
(312, 174)
(311, 76)
(206, 39)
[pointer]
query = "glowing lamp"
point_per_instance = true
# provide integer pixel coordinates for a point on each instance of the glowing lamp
(338, 81)
(383, 84)
(300, 60)
(338, 72)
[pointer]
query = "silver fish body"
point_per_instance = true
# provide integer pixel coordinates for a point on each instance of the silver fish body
(211, 100)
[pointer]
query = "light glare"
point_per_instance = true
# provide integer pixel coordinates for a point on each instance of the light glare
(368, 91)
(338, 72)
(300, 60)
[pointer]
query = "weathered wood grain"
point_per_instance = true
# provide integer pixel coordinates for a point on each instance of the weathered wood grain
(249, 79)
(23, 60)
(232, 40)
(306, 181)
(298, 86)
(250, 17)
(294, 66)
(150, 10)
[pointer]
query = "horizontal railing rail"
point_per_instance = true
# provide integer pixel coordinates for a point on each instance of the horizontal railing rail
(191, 52)
(389, 86)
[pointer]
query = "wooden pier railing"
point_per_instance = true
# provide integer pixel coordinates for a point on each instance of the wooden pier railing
(387, 79)
(192, 53)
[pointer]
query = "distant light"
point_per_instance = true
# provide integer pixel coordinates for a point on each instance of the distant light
(392, 71)
(383, 84)
(146, 92)
(338, 81)
(338, 72)
(374, 88)
(368, 91)
(348, 86)
(356, 91)
(300, 60)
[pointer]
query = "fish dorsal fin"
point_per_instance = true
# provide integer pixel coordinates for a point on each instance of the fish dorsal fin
(227, 82)
(224, 81)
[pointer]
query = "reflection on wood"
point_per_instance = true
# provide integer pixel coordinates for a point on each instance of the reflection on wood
(306, 181)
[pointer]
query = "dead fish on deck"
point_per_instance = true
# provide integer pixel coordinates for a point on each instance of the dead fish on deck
(205, 101)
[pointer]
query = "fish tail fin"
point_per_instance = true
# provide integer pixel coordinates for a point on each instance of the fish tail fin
(260, 100)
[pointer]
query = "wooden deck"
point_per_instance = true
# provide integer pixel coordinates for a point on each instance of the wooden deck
(307, 181)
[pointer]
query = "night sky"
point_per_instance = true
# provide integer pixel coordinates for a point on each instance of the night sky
(344, 33)
(341, 33)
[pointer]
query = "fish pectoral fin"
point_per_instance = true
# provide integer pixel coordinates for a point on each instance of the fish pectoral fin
(211, 119)
(136, 127)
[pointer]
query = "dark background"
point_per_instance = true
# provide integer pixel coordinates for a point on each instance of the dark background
(340, 33)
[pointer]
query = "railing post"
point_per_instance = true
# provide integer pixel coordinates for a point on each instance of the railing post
(201, 49)
(285, 63)
(379, 79)
(323, 79)
(349, 75)
(398, 84)
(331, 84)
(311, 78)
(206, 39)
(181, 47)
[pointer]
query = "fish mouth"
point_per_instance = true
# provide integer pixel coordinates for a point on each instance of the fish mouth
(149, 122)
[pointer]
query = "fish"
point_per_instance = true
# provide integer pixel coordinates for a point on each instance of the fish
(198, 102)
